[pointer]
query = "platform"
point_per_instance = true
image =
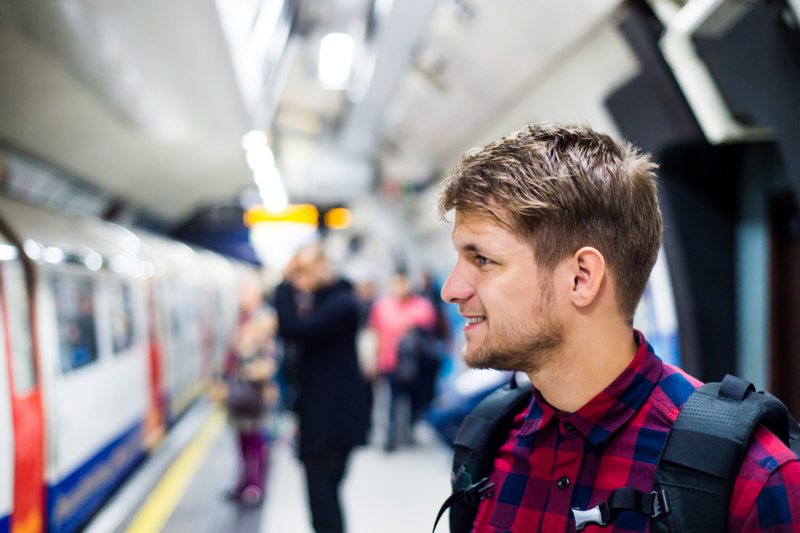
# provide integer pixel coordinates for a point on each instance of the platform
(182, 486)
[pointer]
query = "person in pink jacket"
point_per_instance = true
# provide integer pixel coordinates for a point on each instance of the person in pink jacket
(391, 317)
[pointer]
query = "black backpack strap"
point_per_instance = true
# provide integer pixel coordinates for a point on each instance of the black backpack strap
(479, 438)
(650, 504)
(701, 458)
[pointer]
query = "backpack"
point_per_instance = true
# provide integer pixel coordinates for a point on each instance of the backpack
(695, 473)
(416, 347)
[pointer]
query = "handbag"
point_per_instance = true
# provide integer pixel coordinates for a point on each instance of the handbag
(245, 397)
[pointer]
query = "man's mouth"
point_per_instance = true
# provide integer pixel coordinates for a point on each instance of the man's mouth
(475, 319)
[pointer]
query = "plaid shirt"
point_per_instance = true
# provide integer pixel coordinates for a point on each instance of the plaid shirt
(553, 461)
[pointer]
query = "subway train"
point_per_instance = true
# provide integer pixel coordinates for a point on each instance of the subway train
(106, 337)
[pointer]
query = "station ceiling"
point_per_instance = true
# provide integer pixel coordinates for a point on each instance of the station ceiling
(149, 99)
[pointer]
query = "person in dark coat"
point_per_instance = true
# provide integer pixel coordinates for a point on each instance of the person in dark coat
(318, 313)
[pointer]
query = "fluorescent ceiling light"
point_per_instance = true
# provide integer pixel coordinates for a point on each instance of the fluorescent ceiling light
(260, 159)
(93, 261)
(8, 252)
(253, 140)
(335, 58)
(53, 255)
(33, 249)
(276, 203)
(273, 195)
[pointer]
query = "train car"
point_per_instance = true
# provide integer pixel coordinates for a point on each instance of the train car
(91, 317)
(105, 337)
(179, 286)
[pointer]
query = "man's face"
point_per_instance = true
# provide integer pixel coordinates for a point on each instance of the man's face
(308, 270)
(507, 300)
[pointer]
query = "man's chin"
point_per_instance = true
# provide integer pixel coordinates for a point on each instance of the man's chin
(480, 358)
(487, 357)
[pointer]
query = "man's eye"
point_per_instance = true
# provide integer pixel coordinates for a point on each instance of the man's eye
(483, 260)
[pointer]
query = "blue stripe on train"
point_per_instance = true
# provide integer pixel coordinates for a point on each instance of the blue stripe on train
(5, 525)
(74, 500)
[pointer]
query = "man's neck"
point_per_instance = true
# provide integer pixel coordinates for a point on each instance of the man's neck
(584, 366)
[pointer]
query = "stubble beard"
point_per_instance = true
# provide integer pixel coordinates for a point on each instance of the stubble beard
(527, 346)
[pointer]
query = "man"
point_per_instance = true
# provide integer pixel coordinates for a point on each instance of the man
(557, 229)
(391, 317)
(319, 314)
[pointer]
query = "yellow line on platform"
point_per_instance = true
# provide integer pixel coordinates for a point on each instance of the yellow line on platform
(170, 489)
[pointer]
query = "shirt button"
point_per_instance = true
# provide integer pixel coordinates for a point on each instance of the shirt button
(563, 482)
(568, 425)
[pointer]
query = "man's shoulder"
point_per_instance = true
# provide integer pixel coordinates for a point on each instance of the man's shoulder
(766, 453)
(341, 290)
(767, 485)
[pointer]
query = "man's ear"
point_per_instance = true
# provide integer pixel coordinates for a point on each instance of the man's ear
(589, 270)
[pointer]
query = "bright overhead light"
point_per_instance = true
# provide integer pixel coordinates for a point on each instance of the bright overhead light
(335, 58)
(260, 159)
(276, 203)
(8, 252)
(121, 264)
(92, 260)
(253, 140)
(53, 255)
(267, 177)
(270, 187)
(33, 249)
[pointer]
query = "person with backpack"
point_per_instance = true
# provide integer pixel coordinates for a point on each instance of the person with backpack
(556, 229)
(392, 318)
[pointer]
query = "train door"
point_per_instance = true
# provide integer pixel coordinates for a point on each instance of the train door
(156, 417)
(6, 427)
(16, 291)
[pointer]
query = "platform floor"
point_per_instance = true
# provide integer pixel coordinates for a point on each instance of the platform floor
(386, 492)
(398, 492)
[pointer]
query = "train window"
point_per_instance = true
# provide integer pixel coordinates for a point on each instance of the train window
(120, 301)
(16, 293)
(77, 339)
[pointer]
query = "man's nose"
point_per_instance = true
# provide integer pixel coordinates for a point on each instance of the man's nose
(457, 288)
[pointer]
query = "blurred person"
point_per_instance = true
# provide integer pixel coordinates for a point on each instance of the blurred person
(248, 368)
(318, 313)
(557, 229)
(392, 317)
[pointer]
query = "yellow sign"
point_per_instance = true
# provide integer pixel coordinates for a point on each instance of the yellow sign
(299, 213)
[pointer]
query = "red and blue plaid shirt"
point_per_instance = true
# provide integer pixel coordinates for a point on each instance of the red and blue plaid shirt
(554, 461)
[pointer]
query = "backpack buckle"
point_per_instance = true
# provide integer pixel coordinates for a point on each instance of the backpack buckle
(589, 516)
(477, 492)
(660, 503)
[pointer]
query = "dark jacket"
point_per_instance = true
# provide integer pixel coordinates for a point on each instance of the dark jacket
(333, 402)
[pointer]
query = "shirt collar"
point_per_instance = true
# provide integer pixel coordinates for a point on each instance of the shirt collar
(609, 410)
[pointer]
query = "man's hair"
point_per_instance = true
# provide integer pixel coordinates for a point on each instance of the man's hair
(561, 188)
